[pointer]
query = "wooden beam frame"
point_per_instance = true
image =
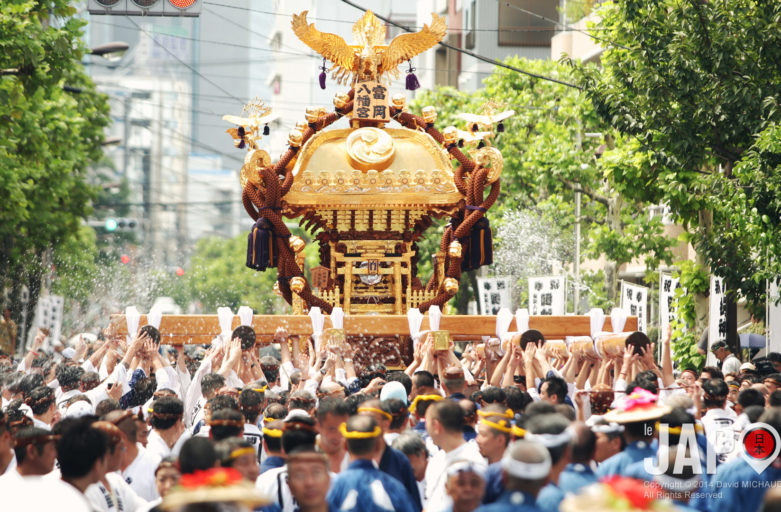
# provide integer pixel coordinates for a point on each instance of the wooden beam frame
(201, 329)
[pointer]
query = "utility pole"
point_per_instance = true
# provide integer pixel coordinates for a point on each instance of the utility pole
(576, 303)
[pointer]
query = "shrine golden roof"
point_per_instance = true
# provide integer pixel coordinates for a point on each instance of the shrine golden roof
(370, 167)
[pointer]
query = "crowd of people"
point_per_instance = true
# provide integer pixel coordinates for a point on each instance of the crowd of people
(514, 424)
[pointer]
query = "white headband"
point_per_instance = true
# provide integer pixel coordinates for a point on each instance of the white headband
(672, 484)
(465, 466)
(550, 440)
(527, 470)
(608, 428)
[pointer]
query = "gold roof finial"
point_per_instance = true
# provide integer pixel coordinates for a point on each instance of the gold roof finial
(248, 132)
(368, 58)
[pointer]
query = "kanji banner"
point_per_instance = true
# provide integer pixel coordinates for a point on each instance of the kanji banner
(634, 300)
(717, 311)
(667, 286)
(547, 295)
(494, 294)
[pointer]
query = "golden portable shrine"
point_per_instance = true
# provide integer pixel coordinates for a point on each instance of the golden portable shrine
(366, 194)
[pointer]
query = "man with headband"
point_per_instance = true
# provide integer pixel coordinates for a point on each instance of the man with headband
(309, 480)
(391, 461)
(298, 433)
(465, 485)
(36, 450)
(552, 431)
(363, 487)
(525, 468)
(579, 473)
(445, 425)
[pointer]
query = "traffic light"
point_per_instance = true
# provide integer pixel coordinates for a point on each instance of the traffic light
(190, 8)
(113, 224)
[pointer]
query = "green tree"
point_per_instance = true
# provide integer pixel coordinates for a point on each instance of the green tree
(48, 138)
(693, 83)
(218, 276)
(548, 157)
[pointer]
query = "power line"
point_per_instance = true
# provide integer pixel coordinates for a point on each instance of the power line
(347, 22)
(560, 25)
(172, 54)
(470, 53)
(207, 41)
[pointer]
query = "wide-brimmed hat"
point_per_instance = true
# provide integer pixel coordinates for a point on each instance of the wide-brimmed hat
(639, 405)
(217, 485)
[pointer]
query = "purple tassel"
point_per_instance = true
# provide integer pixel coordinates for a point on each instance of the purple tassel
(322, 75)
(500, 127)
(412, 80)
(266, 130)
(242, 144)
(481, 145)
(460, 143)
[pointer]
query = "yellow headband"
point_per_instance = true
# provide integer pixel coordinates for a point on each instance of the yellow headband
(241, 451)
(518, 432)
(359, 435)
(261, 390)
(425, 398)
(386, 415)
(677, 430)
(501, 425)
(506, 414)
(272, 432)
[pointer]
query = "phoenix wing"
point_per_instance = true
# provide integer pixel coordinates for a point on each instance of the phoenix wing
(406, 46)
(241, 121)
(473, 118)
(330, 46)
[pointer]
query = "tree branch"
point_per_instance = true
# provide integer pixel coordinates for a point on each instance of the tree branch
(577, 187)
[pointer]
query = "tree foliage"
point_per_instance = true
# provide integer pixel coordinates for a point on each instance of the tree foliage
(548, 156)
(48, 138)
(693, 83)
(217, 276)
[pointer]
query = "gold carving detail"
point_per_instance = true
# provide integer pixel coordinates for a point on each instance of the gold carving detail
(370, 148)
(368, 58)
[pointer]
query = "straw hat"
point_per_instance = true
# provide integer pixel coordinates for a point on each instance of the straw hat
(616, 493)
(213, 486)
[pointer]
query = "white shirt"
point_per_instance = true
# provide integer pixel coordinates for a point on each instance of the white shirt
(720, 432)
(140, 474)
(437, 498)
(40, 424)
(26, 494)
(120, 498)
(156, 447)
(731, 364)
(254, 436)
(62, 400)
(273, 485)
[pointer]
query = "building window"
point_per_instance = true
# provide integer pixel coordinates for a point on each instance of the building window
(519, 28)
(470, 25)
(276, 41)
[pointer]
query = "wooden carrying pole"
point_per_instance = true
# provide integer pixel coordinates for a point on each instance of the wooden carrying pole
(201, 329)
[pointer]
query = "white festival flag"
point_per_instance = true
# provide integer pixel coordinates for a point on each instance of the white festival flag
(717, 311)
(634, 300)
(546, 295)
(667, 311)
(494, 294)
